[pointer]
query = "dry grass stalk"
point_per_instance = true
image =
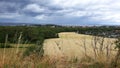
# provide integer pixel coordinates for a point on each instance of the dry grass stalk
(94, 46)
(19, 40)
(6, 39)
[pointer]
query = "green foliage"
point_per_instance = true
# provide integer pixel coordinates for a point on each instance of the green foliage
(35, 49)
(33, 34)
(117, 43)
(29, 50)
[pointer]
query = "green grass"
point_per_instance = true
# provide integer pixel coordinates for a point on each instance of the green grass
(22, 45)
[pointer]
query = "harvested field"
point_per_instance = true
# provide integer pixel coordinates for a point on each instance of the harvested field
(72, 45)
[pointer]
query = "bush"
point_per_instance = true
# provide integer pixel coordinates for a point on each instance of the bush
(35, 49)
(29, 50)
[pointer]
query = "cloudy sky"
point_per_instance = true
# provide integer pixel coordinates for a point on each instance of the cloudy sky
(77, 12)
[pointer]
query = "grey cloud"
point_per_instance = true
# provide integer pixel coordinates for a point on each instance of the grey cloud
(16, 1)
(12, 5)
(8, 7)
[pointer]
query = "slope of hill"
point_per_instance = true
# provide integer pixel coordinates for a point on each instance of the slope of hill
(72, 45)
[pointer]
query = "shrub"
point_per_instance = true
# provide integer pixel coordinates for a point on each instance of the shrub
(35, 49)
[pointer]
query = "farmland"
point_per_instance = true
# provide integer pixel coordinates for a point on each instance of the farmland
(73, 45)
(57, 47)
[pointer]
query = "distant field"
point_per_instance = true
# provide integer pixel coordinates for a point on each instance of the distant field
(73, 45)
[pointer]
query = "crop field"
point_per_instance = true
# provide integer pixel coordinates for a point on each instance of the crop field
(75, 46)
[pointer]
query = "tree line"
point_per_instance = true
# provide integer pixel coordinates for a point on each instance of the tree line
(39, 33)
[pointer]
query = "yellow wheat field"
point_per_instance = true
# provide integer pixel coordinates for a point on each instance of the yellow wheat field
(72, 45)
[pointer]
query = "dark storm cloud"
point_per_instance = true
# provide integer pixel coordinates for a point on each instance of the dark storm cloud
(8, 7)
(11, 6)
(16, 1)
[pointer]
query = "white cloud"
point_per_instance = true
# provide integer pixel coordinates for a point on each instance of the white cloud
(41, 17)
(98, 10)
(110, 16)
(78, 3)
(34, 8)
(77, 14)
